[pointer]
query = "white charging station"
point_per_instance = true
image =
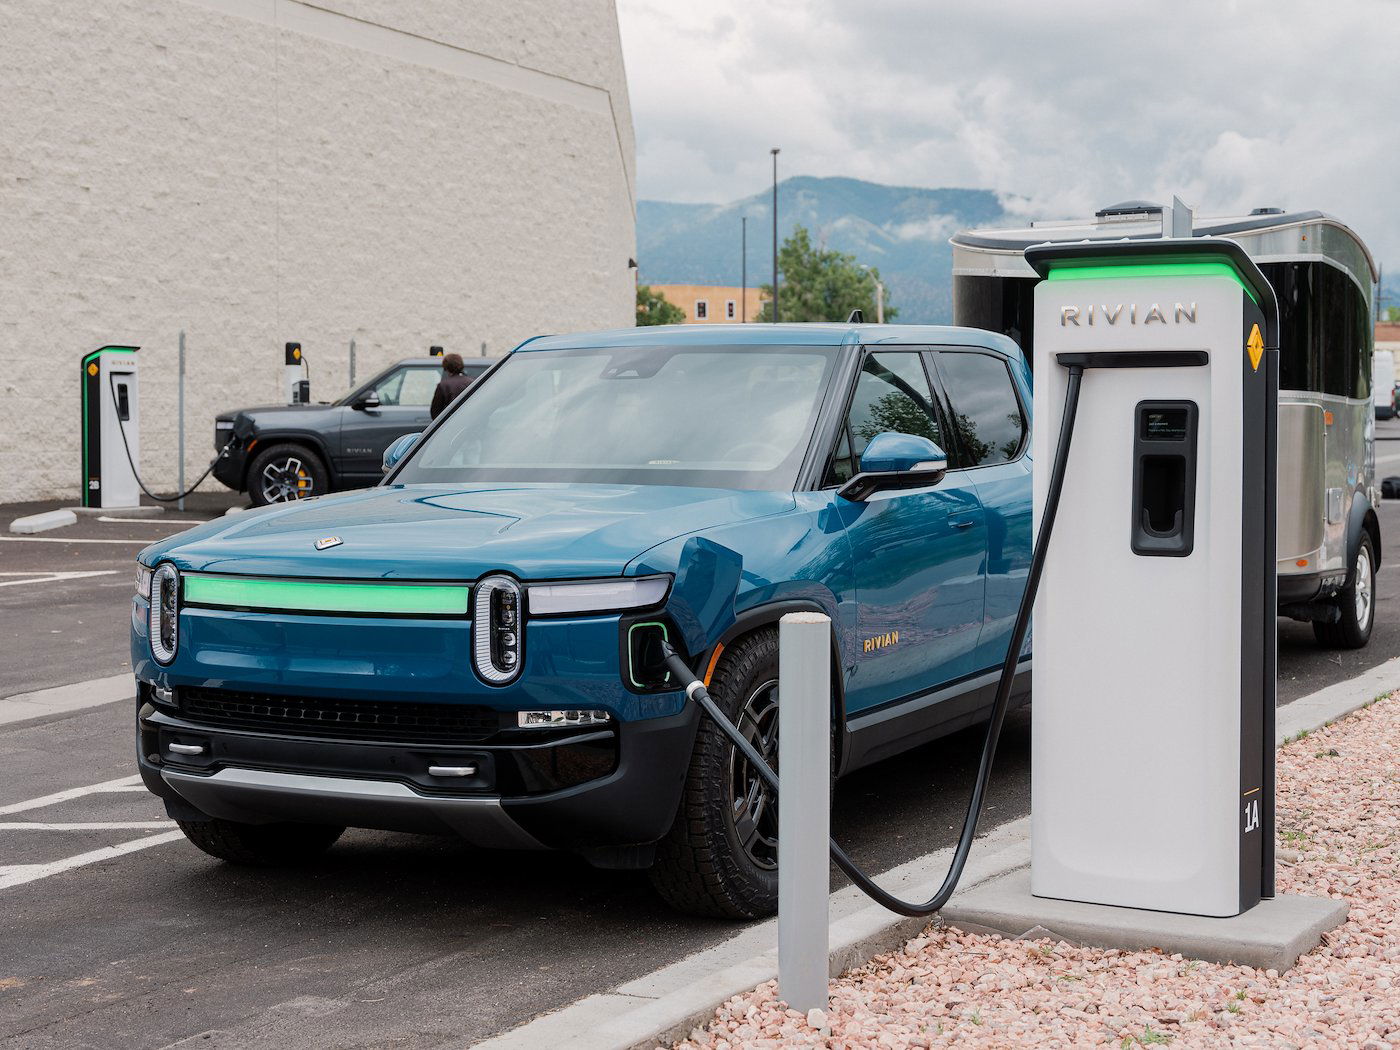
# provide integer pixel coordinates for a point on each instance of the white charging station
(1153, 679)
(111, 411)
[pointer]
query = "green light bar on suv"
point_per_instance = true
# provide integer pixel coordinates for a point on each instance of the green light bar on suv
(326, 596)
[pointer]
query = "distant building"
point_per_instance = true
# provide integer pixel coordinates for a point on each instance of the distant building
(713, 303)
(1388, 335)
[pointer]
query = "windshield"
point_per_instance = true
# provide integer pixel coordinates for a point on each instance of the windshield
(722, 417)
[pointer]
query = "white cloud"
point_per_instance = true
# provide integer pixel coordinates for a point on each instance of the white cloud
(1061, 107)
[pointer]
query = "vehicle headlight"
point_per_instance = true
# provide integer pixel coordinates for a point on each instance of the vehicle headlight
(143, 580)
(165, 612)
(498, 647)
(596, 596)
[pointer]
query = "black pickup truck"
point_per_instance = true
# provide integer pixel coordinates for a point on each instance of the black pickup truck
(285, 452)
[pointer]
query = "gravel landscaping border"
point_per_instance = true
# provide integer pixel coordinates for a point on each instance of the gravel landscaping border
(1339, 837)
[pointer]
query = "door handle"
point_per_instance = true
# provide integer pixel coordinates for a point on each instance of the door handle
(963, 523)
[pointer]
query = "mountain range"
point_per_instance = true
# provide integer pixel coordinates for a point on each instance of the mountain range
(903, 231)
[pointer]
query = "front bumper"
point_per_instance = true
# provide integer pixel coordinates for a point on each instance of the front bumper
(577, 790)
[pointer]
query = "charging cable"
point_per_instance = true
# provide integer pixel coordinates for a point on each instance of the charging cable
(696, 692)
(121, 427)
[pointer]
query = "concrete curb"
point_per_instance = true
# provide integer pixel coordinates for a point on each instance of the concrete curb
(666, 1005)
(63, 699)
(130, 512)
(49, 519)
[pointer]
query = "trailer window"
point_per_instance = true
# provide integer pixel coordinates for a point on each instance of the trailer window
(1324, 338)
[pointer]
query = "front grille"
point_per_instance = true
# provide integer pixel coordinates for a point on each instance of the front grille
(333, 719)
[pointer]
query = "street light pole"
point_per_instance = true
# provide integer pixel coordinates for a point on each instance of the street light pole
(879, 301)
(775, 235)
(744, 270)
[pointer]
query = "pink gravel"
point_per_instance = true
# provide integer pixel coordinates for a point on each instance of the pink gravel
(1339, 836)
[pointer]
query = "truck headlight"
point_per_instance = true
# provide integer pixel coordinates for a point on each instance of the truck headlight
(165, 612)
(143, 581)
(597, 596)
(498, 647)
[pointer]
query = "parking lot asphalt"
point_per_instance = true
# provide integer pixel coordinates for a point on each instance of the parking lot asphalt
(115, 932)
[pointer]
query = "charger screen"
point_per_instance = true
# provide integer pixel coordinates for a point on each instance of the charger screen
(1164, 424)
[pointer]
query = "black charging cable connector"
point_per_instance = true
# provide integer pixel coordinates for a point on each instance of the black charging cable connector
(697, 693)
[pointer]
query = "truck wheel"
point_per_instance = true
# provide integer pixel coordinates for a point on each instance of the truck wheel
(261, 845)
(720, 858)
(1357, 603)
(283, 473)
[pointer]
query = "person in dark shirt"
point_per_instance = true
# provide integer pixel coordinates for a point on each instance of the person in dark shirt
(453, 382)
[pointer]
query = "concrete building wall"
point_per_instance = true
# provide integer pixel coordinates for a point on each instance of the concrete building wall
(257, 171)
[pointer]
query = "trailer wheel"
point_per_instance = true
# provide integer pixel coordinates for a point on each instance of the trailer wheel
(260, 845)
(1356, 603)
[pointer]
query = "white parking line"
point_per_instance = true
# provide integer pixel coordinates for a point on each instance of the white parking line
(51, 577)
(63, 796)
(155, 521)
(91, 825)
(62, 699)
(19, 874)
(60, 539)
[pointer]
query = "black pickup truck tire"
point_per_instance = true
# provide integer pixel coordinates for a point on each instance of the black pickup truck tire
(720, 857)
(285, 473)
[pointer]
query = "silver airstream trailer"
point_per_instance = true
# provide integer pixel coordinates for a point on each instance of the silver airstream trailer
(1329, 543)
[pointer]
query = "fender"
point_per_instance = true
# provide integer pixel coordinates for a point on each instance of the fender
(769, 614)
(1362, 517)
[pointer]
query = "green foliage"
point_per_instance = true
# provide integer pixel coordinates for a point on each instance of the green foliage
(654, 308)
(818, 284)
(1392, 314)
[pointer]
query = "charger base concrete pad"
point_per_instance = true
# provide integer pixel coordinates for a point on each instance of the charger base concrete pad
(1269, 936)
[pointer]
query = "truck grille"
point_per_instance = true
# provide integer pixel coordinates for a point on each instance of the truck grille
(389, 721)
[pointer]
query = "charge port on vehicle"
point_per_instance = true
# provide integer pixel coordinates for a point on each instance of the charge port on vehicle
(646, 667)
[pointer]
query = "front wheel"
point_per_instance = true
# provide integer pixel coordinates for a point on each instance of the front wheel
(284, 473)
(1356, 603)
(720, 858)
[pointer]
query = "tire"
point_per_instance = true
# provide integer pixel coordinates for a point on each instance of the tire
(261, 845)
(711, 862)
(283, 473)
(1357, 603)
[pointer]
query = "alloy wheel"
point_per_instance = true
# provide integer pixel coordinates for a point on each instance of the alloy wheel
(1361, 588)
(753, 810)
(285, 480)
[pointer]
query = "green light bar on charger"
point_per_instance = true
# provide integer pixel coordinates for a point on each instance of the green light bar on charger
(1075, 270)
(326, 596)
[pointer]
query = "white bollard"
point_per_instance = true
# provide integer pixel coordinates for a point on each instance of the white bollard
(804, 808)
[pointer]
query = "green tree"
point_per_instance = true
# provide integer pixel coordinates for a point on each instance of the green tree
(819, 284)
(654, 308)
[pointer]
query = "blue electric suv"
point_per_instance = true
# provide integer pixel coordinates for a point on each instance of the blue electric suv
(474, 646)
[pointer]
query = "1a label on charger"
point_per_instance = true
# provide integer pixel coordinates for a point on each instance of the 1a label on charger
(1251, 815)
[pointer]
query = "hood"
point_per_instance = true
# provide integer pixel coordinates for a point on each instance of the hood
(280, 411)
(429, 532)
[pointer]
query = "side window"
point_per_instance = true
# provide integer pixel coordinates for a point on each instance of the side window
(842, 469)
(418, 386)
(985, 413)
(390, 389)
(892, 393)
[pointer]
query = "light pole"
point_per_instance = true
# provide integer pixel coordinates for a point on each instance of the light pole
(775, 234)
(744, 269)
(879, 294)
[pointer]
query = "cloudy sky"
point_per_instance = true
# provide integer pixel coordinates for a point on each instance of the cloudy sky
(1062, 106)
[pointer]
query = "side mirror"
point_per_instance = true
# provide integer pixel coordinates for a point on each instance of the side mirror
(398, 448)
(370, 400)
(896, 461)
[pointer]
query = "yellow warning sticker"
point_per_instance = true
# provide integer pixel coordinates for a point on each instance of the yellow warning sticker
(1255, 347)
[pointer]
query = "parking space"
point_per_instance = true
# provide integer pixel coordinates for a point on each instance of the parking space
(115, 931)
